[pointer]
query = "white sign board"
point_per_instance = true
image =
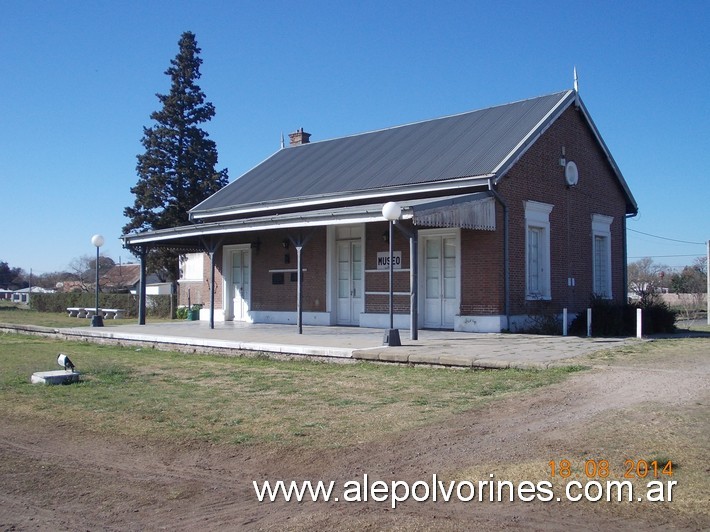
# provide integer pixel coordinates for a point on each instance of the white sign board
(383, 260)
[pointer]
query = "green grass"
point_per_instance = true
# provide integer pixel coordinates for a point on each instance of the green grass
(15, 315)
(162, 395)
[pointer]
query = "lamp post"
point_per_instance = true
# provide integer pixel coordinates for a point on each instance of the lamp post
(97, 320)
(391, 211)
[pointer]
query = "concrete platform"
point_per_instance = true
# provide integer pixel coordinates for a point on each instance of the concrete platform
(59, 376)
(439, 348)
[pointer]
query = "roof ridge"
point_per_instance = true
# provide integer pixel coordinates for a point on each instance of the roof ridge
(434, 119)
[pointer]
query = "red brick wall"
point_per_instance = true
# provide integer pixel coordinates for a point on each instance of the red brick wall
(379, 281)
(482, 271)
(538, 176)
(199, 291)
(270, 255)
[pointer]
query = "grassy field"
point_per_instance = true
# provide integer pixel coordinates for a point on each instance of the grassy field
(630, 405)
(19, 315)
(156, 394)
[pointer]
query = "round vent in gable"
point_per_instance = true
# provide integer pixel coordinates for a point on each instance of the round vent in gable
(571, 173)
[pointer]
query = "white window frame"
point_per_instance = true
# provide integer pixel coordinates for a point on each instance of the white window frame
(537, 216)
(601, 227)
(192, 267)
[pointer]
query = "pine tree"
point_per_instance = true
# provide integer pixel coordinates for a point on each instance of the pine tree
(177, 170)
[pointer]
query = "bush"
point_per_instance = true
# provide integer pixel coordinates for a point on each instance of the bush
(545, 324)
(658, 318)
(157, 306)
(614, 319)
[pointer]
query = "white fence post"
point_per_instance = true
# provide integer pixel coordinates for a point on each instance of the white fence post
(639, 323)
(589, 322)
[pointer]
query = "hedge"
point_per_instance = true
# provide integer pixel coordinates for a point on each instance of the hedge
(157, 306)
(613, 319)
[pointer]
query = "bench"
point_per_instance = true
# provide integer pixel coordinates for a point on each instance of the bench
(90, 312)
(115, 313)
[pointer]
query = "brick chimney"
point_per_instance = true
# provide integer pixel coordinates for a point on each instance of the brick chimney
(299, 137)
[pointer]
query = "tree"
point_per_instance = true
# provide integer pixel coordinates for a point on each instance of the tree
(645, 279)
(691, 286)
(10, 278)
(177, 170)
(84, 270)
(691, 280)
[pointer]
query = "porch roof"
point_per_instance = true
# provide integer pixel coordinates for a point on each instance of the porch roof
(473, 211)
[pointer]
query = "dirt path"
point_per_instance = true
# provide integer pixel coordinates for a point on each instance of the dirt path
(70, 480)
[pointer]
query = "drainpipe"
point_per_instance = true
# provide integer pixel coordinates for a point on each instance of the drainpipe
(506, 254)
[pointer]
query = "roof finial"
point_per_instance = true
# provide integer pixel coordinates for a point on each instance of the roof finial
(576, 81)
(282, 140)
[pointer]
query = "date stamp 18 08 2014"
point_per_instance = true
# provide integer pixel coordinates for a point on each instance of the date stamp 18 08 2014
(601, 469)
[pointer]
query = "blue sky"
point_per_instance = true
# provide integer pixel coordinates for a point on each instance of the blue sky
(79, 81)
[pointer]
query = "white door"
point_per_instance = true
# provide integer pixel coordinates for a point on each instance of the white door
(349, 282)
(440, 281)
(241, 284)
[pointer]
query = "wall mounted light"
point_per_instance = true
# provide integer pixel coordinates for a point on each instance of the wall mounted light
(256, 245)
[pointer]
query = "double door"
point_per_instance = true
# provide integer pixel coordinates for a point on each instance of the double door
(350, 283)
(440, 280)
(241, 284)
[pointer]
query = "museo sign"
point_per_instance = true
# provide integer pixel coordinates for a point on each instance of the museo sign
(383, 260)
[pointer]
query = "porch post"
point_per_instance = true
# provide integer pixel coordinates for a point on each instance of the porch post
(299, 295)
(142, 253)
(212, 267)
(413, 284)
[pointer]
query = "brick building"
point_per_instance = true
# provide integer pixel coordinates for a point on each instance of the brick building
(512, 211)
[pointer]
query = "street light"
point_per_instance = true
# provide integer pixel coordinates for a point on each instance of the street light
(391, 211)
(97, 320)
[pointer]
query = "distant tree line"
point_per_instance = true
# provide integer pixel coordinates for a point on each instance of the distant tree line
(11, 278)
(81, 274)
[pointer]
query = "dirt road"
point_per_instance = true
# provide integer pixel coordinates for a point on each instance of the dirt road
(638, 407)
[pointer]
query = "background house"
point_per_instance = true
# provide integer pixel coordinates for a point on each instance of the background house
(126, 278)
(23, 295)
(508, 213)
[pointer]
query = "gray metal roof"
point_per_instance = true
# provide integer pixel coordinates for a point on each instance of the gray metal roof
(188, 237)
(477, 143)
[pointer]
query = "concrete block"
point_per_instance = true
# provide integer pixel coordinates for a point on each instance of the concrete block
(367, 354)
(453, 360)
(394, 354)
(55, 377)
(491, 363)
(423, 358)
